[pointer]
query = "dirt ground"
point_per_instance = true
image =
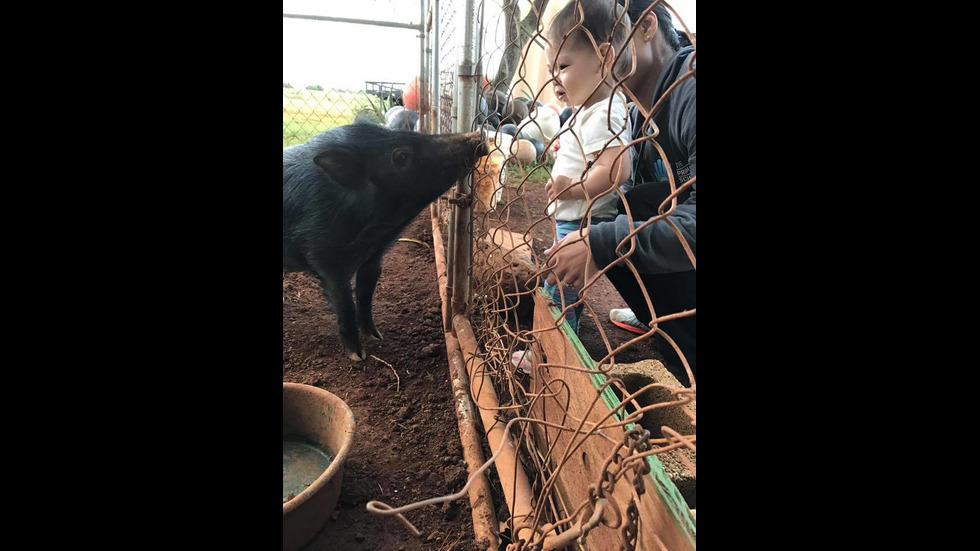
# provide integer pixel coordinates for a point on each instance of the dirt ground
(406, 445)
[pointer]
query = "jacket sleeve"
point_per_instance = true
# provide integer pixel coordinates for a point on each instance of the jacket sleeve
(658, 250)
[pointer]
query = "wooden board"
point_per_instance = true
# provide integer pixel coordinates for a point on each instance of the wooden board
(663, 513)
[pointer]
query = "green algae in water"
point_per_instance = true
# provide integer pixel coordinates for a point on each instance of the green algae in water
(302, 463)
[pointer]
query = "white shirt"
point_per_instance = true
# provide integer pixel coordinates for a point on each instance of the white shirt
(590, 130)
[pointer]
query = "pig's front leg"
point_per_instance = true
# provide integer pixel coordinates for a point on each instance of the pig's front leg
(337, 291)
(367, 280)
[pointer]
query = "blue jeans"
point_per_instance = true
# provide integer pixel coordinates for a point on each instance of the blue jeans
(563, 228)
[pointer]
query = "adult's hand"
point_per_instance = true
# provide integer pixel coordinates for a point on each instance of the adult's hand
(571, 261)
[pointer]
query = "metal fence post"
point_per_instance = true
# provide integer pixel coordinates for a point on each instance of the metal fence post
(466, 76)
(436, 95)
(423, 81)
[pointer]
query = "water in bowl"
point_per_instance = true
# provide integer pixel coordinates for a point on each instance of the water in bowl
(302, 463)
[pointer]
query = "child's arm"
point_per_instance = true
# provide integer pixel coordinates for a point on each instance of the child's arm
(597, 179)
(556, 185)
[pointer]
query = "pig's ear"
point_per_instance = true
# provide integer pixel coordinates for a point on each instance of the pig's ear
(342, 165)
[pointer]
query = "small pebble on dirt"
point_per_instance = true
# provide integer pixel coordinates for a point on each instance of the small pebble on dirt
(359, 537)
(405, 412)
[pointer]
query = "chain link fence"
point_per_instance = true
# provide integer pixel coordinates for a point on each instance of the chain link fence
(308, 111)
(342, 58)
(576, 388)
(449, 47)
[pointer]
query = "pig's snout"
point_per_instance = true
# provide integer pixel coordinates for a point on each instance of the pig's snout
(462, 150)
(478, 141)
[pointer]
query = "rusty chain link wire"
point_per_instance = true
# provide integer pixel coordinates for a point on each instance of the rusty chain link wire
(510, 229)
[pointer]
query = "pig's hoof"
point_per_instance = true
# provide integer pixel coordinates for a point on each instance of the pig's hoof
(357, 357)
(370, 330)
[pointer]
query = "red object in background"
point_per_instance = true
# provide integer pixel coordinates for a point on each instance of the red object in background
(410, 95)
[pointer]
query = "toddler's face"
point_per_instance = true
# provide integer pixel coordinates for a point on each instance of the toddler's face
(578, 69)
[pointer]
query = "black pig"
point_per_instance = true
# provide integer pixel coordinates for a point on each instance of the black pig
(348, 193)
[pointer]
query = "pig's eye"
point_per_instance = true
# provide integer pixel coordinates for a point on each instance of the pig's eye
(401, 158)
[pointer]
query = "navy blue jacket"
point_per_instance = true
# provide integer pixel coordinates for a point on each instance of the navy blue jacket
(658, 250)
